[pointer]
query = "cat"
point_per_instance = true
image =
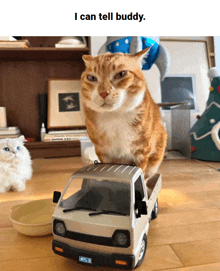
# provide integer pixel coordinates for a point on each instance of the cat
(15, 164)
(122, 119)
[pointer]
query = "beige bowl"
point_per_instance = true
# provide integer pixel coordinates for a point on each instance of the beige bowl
(33, 218)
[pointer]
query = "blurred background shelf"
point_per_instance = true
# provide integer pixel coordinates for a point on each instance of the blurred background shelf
(42, 53)
(54, 149)
(24, 75)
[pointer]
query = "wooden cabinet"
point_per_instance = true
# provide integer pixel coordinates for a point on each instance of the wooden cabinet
(24, 74)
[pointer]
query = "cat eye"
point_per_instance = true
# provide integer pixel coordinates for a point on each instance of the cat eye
(18, 148)
(91, 78)
(6, 149)
(120, 75)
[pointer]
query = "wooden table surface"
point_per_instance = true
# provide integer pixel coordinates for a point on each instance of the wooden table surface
(184, 237)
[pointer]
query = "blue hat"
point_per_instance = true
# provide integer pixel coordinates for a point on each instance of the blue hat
(157, 53)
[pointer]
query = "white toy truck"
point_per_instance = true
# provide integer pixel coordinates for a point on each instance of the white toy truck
(102, 217)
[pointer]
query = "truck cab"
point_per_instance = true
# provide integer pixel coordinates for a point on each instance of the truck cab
(102, 217)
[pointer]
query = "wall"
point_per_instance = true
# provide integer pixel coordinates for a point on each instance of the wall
(10, 38)
(217, 52)
(96, 43)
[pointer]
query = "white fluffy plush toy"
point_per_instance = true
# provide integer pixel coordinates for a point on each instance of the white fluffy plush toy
(15, 164)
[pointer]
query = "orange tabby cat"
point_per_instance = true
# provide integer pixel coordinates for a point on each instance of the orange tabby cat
(122, 120)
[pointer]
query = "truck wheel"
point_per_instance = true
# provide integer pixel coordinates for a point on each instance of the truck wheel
(142, 251)
(154, 213)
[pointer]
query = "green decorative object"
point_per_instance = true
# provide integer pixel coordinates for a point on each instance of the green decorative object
(205, 134)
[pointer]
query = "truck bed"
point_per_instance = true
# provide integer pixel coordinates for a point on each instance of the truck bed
(154, 185)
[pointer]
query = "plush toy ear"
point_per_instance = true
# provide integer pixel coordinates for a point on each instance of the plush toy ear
(140, 55)
(22, 139)
(87, 58)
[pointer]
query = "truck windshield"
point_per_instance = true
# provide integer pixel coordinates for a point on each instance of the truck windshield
(107, 197)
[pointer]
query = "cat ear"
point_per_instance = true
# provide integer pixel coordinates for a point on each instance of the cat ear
(140, 55)
(87, 58)
(22, 139)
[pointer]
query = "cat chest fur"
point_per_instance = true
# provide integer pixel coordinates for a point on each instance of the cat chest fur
(119, 133)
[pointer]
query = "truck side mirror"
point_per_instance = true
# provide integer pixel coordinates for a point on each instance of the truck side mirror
(142, 208)
(56, 196)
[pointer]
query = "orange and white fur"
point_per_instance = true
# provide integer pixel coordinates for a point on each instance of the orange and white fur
(122, 120)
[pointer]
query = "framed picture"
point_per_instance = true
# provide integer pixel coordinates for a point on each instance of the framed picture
(190, 58)
(65, 109)
(179, 88)
(3, 120)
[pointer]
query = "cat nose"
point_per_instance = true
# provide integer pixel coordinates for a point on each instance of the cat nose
(103, 94)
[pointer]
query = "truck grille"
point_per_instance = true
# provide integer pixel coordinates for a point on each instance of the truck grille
(92, 239)
(87, 238)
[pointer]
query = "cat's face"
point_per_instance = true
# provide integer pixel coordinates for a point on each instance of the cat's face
(113, 81)
(12, 149)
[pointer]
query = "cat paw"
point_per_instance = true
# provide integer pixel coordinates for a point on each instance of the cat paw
(89, 156)
(150, 172)
(18, 187)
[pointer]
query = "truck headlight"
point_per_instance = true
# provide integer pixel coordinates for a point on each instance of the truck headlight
(59, 227)
(121, 238)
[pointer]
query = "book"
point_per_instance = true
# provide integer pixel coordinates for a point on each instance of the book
(14, 44)
(61, 132)
(9, 131)
(10, 128)
(9, 136)
(64, 137)
(59, 45)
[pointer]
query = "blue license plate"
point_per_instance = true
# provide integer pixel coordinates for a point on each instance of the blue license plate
(85, 260)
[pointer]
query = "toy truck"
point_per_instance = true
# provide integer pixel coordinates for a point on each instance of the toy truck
(103, 215)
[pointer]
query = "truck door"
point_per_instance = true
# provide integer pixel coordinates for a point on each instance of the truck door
(140, 223)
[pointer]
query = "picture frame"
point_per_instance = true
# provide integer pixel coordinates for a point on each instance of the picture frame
(65, 108)
(179, 88)
(191, 57)
(3, 120)
(193, 41)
